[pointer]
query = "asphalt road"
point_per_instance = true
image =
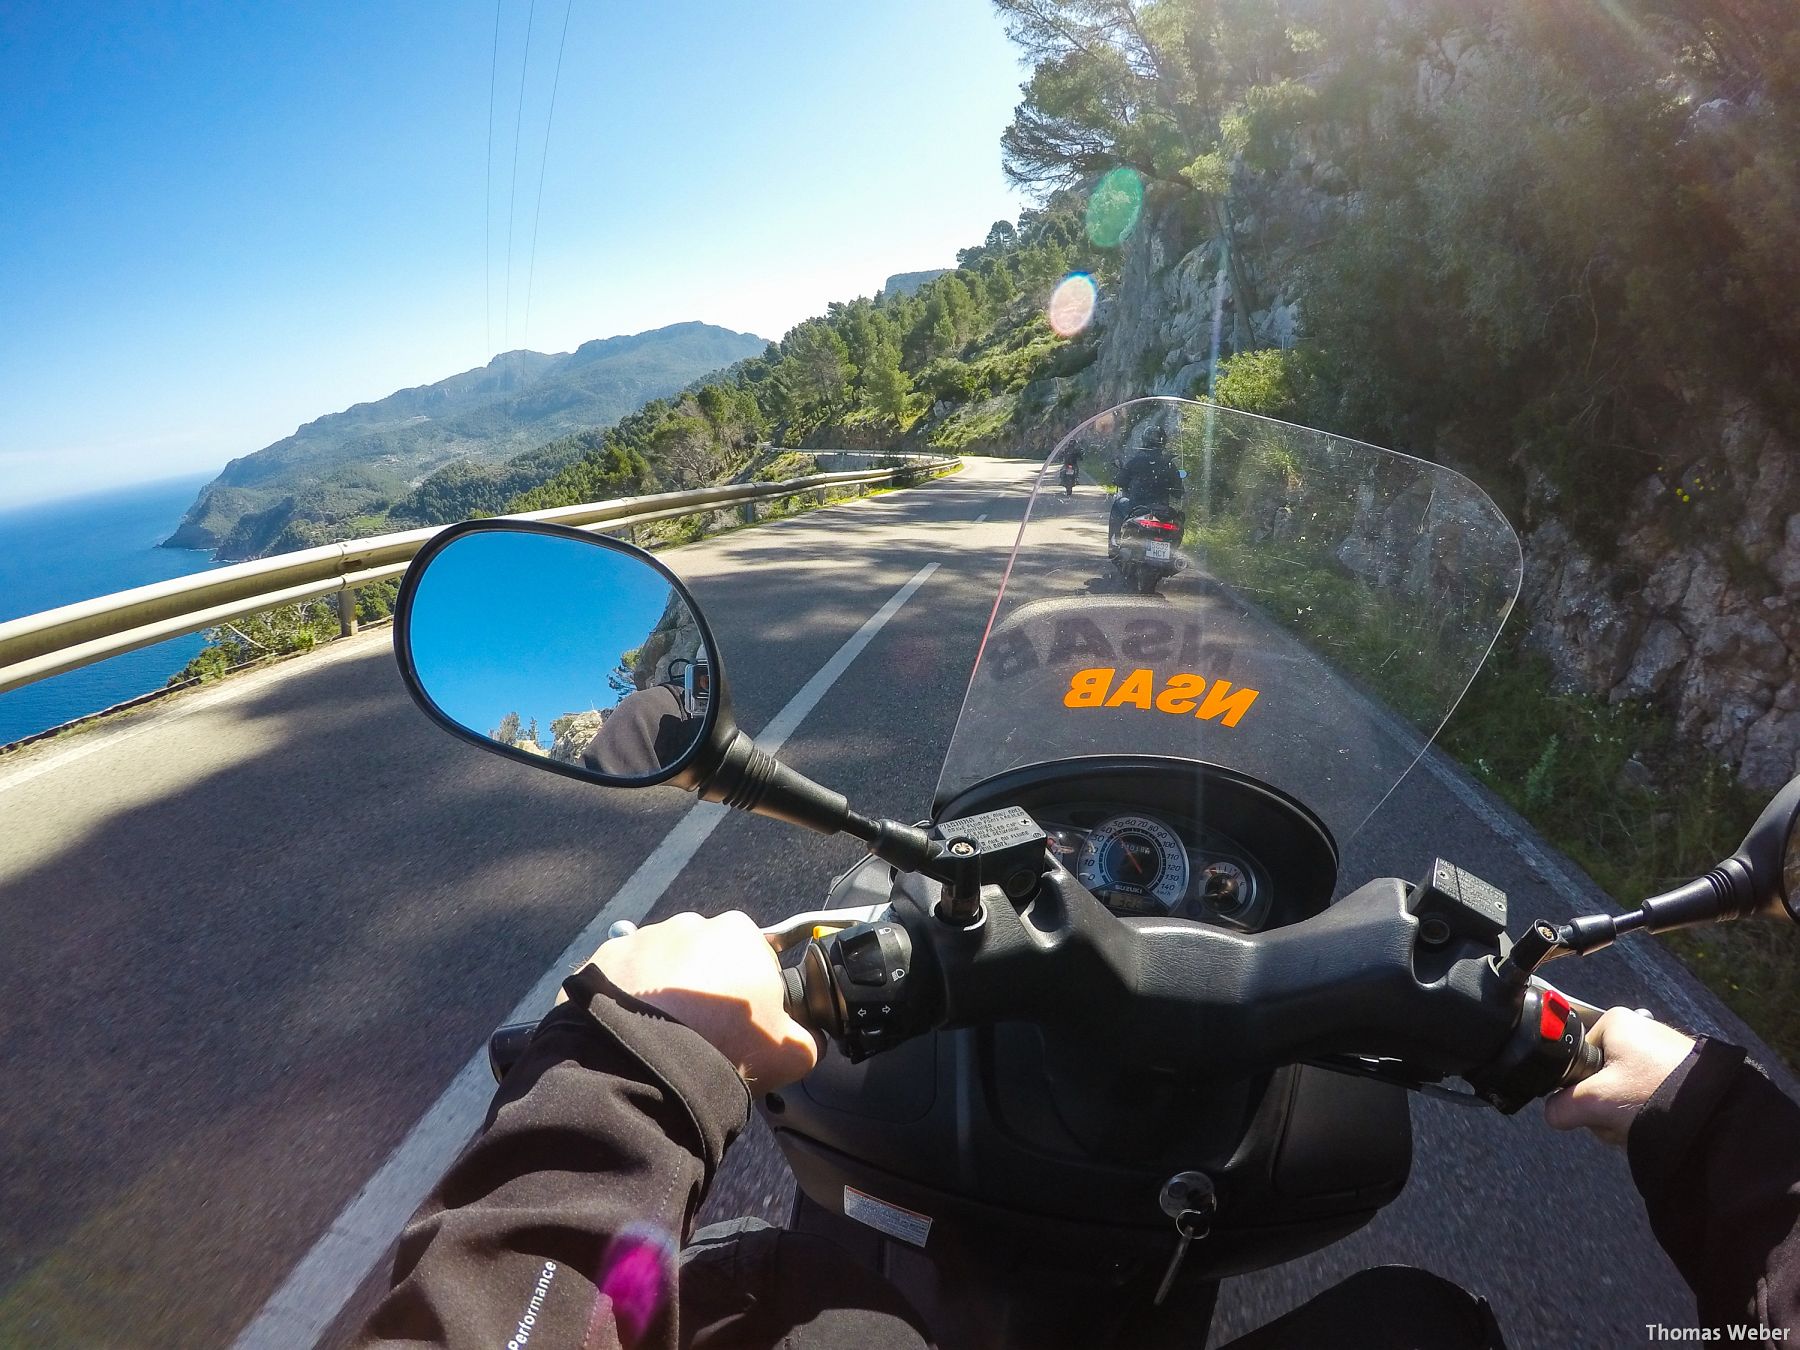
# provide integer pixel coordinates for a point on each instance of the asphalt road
(253, 933)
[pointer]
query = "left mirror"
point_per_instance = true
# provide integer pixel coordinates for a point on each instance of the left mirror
(544, 643)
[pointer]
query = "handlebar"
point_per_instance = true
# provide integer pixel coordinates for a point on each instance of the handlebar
(1339, 984)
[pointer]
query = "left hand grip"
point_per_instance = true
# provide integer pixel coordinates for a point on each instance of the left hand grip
(507, 1046)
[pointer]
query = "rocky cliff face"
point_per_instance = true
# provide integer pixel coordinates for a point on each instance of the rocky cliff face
(1694, 610)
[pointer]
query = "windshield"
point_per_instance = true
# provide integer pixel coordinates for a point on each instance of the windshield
(1295, 606)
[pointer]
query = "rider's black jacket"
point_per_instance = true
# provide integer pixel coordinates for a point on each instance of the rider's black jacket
(1150, 478)
(1716, 1154)
(649, 729)
(559, 1226)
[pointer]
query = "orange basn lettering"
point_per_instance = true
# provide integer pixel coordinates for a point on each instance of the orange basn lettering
(1181, 694)
(1087, 688)
(1228, 707)
(1136, 689)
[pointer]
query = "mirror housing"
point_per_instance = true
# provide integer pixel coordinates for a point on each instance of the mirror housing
(464, 632)
(1761, 878)
(720, 763)
(1771, 855)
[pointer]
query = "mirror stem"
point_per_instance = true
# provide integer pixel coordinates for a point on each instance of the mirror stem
(1727, 891)
(905, 846)
(1724, 893)
(749, 779)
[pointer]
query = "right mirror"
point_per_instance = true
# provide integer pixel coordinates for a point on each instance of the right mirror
(1770, 857)
(572, 651)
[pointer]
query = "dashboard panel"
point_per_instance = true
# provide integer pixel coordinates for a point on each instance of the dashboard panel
(1157, 838)
(1144, 863)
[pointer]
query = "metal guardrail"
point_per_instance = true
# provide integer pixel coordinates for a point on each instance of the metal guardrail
(37, 646)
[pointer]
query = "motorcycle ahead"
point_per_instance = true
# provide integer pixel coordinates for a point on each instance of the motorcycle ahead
(1147, 549)
(1098, 1035)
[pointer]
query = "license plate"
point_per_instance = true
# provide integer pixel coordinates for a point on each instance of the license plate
(1156, 552)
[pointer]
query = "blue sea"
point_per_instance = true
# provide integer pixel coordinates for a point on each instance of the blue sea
(55, 553)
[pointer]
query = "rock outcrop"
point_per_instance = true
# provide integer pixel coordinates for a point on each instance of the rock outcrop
(1694, 609)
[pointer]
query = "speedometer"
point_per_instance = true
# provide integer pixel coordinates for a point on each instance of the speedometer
(1131, 857)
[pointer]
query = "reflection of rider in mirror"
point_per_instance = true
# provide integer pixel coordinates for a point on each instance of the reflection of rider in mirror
(666, 686)
(647, 731)
(652, 727)
(1149, 479)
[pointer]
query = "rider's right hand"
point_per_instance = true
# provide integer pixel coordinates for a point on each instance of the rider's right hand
(720, 978)
(1640, 1054)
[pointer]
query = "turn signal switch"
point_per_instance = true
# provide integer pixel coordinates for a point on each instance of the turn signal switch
(857, 987)
(1547, 1050)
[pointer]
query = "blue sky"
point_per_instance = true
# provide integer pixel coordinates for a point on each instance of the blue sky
(223, 221)
(529, 623)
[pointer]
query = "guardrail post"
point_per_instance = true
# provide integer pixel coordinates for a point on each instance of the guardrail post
(346, 608)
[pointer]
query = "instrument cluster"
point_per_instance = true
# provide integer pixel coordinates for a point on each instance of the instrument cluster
(1140, 864)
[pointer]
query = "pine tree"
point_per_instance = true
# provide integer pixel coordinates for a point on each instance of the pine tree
(887, 385)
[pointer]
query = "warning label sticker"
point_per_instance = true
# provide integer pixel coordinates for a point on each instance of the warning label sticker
(905, 1224)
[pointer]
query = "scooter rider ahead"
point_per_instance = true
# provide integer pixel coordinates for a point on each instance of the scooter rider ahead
(1149, 479)
(1070, 472)
(567, 1223)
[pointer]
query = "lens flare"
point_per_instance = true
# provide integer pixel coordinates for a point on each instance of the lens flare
(1114, 207)
(636, 1277)
(1072, 304)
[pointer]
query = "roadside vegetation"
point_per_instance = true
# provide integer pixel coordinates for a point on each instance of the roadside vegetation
(281, 632)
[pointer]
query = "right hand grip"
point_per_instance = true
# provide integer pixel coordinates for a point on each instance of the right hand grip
(507, 1045)
(1589, 1060)
(793, 999)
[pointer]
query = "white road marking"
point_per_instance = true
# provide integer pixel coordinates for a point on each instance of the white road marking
(317, 1289)
(983, 516)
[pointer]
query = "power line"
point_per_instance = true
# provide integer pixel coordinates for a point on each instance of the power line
(487, 205)
(538, 210)
(513, 194)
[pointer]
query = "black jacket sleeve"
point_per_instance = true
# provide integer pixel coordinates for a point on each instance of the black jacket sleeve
(561, 1224)
(647, 730)
(1716, 1154)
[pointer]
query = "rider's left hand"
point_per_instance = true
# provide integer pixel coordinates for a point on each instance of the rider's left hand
(719, 976)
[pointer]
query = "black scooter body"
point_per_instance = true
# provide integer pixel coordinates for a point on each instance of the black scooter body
(1017, 1173)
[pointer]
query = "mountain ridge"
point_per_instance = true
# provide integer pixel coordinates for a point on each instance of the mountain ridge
(359, 460)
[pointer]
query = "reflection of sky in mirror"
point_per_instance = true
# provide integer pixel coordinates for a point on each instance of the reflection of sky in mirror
(529, 623)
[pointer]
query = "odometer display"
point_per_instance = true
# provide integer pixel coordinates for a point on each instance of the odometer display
(1135, 856)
